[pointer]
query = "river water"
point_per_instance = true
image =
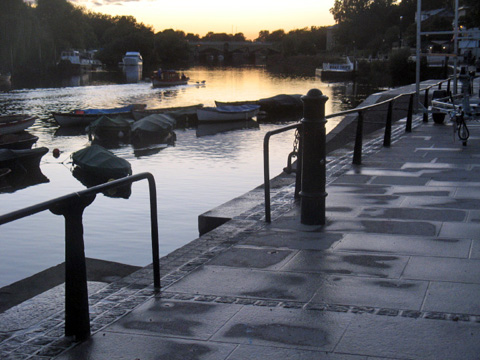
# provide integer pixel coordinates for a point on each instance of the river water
(192, 177)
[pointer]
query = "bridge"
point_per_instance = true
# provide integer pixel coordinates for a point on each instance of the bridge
(233, 51)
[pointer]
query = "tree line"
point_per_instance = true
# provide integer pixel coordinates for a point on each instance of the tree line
(374, 26)
(33, 35)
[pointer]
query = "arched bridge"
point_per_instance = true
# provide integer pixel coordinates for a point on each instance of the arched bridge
(233, 50)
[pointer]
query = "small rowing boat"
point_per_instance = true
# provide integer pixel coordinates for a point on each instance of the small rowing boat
(228, 113)
(11, 124)
(86, 116)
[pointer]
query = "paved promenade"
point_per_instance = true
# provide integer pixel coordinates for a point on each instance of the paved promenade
(394, 274)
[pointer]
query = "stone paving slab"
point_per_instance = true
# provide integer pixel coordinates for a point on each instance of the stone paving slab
(283, 328)
(408, 338)
(110, 346)
(406, 245)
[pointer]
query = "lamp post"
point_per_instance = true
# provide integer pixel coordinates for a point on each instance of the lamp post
(400, 36)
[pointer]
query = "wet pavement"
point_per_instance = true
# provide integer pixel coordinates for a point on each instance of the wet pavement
(394, 273)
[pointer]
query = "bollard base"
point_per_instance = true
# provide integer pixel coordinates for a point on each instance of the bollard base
(312, 208)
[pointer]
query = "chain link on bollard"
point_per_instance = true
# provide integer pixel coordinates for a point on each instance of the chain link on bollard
(313, 158)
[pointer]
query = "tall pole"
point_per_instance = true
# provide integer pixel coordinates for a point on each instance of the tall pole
(455, 46)
(417, 57)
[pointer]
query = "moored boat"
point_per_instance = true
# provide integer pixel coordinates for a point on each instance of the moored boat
(153, 129)
(172, 111)
(272, 105)
(107, 129)
(101, 163)
(132, 59)
(23, 158)
(95, 165)
(83, 117)
(339, 71)
(228, 113)
(20, 140)
(184, 116)
(166, 78)
(11, 124)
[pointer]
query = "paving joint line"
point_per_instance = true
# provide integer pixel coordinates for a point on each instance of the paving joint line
(416, 314)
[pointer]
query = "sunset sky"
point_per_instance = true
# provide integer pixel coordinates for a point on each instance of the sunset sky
(220, 16)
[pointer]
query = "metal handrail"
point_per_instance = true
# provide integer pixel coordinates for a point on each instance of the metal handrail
(357, 155)
(71, 206)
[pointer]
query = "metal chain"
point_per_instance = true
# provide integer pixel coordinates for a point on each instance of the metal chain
(295, 143)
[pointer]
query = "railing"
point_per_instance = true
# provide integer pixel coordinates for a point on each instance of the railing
(357, 153)
(71, 206)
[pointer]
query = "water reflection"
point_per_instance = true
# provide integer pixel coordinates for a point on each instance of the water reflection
(215, 128)
(21, 168)
(89, 180)
(133, 74)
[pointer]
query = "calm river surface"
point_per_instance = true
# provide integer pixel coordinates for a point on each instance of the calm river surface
(194, 176)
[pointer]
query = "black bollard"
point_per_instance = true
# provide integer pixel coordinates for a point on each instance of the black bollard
(313, 158)
(388, 126)
(408, 127)
(425, 105)
(77, 318)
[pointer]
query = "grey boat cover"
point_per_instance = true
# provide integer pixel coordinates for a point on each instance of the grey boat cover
(98, 161)
(281, 101)
(162, 123)
(110, 123)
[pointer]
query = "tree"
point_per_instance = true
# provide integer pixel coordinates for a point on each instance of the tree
(171, 48)
(124, 35)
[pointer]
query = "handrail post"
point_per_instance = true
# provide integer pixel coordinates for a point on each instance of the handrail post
(408, 127)
(357, 151)
(313, 158)
(77, 318)
(425, 105)
(266, 178)
(448, 86)
(388, 126)
(154, 233)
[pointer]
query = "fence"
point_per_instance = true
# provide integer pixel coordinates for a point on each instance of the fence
(357, 153)
(71, 206)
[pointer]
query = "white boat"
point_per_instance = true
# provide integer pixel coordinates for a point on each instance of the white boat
(11, 124)
(75, 59)
(228, 113)
(343, 70)
(132, 59)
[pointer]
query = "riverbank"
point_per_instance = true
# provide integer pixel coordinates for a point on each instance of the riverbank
(380, 279)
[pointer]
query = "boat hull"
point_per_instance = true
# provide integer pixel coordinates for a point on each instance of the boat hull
(11, 124)
(211, 114)
(28, 158)
(82, 119)
(160, 83)
(17, 141)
